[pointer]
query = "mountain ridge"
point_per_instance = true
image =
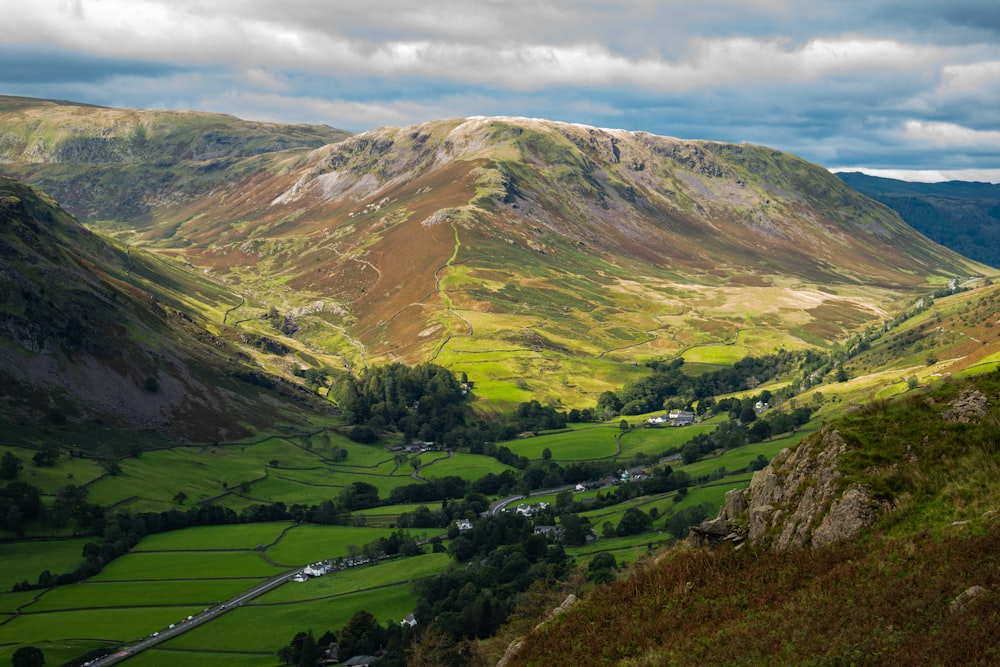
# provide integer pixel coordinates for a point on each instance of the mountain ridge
(544, 257)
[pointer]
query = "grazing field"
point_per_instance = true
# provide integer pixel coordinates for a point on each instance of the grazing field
(67, 470)
(383, 573)
(597, 442)
(256, 627)
(466, 466)
(163, 657)
(24, 561)
(122, 624)
(96, 594)
(188, 565)
(208, 538)
(740, 458)
(659, 440)
(309, 543)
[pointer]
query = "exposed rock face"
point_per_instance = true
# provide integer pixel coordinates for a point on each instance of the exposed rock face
(798, 500)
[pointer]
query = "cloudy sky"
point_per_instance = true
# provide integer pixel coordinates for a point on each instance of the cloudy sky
(878, 84)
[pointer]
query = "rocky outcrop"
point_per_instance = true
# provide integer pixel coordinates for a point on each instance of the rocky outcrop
(799, 500)
(968, 408)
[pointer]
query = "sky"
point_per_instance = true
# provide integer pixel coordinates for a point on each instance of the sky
(899, 88)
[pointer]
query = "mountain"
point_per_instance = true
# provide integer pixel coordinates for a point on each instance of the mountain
(124, 165)
(959, 215)
(103, 339)
(544, 259)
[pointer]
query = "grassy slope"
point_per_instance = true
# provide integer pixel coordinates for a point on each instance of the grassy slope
(541, 258)
(884, 598)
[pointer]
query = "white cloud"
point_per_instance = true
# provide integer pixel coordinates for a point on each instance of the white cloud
(970, 77)
(950, 135)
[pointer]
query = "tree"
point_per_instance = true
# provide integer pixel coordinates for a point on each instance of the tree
(602, 567)
(546, 454)
(10, 466)
(362, 635)
(45, 458)
(633, 522)
(180, 497)
(28, 656)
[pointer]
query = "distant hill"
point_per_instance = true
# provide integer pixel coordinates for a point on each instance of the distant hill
(96, 337)
(547, 260)
(959, 215)
(122, 165)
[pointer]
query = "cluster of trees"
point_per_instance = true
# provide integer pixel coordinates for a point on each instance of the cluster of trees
(669, 387)
(504, 558)
(362, 635)
(426, 402)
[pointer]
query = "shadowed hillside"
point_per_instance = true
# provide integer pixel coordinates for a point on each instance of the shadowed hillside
(962, 216)
(94, 336)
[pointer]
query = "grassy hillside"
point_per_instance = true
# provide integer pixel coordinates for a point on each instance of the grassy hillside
(122, 165)
(541, 258)
(904, 593)
(96, 336)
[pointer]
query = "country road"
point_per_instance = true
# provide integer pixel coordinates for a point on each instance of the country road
(179, 628)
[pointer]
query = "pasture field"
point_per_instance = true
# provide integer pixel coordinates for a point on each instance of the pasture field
(394, 510)
(20, 561)
(123, 624)
(659, 440)
(10, 602)
(598, 442)
(161, 657)
(383, 573)
(725, 354)
(740, 457)
(155, 477)
(150, 482)
(256, 627)
(466, 466)
(309, 543)
(613, 513)
(57, 651)
(67, 470)
(95, 594)
(715, 493)
(201, 538)
(188, 565)
(361, 456)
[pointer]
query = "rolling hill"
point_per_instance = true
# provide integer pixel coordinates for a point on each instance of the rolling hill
(544, 259)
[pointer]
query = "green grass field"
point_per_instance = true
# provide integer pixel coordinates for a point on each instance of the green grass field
(395, 571)
(659, 440)
(161, 657)
(92, 594)
(466, 466)
(201, 538)
(598, 442)
(256, 627)
(20, 561)
(309, 543)
(188, 565)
